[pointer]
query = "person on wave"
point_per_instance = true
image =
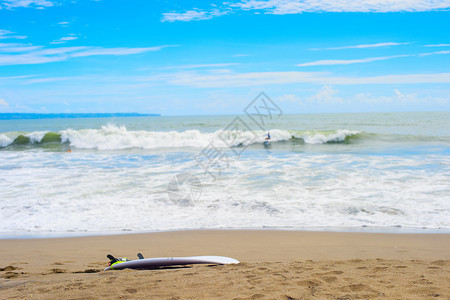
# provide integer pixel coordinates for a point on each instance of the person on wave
(268, 136)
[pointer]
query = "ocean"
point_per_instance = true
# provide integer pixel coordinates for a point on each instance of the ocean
(378, 172)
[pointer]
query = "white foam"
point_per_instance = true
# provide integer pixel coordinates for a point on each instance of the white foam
(322, 138)
(36, 136)
(111, 137)
(4, 140)
(101, 192)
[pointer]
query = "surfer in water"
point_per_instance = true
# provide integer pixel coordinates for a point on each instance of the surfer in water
(268, 136)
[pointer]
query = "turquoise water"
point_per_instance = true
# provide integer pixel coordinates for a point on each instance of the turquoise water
(379, 171)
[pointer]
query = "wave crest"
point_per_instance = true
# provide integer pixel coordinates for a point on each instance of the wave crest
(4, 140)
(111, 137)
(337, 136)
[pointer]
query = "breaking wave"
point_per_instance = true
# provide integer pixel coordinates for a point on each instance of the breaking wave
(111, 137)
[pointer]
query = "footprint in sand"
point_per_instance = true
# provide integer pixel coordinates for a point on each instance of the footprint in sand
(378, 269)
(358, 288)
(439, 262)
(9, 275)
(355, 261)
(329, 279)
(309, 283)
(88, 271)
(328, 273)
(328, 276)
(8, 269)
(57, 271)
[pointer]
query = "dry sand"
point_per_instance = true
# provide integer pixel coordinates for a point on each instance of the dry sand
(274, 265)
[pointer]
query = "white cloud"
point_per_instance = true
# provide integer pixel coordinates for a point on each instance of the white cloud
(351, 99)
(26, 3)
(392, 79)
(330, 62)
(17, 47)
(47, 79)
(192, 15)
(33, 55)
(26, 59)
(208, 80)
(433, 53)
(64, 40)
(3, 103)
(61, 50)
(6, 34)
(397, 98)
(282, 7)
(438, 45)
(90, 51)
(325, 95)
(386, 44)
(16, 77)
(230, 79)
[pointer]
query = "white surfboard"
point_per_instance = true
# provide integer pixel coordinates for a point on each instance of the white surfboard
(150, 263)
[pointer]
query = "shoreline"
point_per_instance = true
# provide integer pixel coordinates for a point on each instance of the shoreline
(73, 234)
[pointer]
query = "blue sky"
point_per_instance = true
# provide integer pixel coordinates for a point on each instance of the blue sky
(213, 57)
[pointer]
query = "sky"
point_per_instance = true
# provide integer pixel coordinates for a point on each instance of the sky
(214, 57)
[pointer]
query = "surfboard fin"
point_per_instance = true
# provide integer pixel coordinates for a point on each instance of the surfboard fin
(112, 259)
(140, 256)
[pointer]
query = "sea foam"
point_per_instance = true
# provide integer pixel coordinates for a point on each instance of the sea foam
(112, 137)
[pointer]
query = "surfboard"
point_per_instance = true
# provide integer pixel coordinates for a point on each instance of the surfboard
(150, 263)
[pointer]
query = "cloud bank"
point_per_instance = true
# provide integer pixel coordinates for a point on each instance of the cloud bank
(228, 80)
(283, 7)
(377, 45)
(39, 4)
(6, 34)
(329, 62)
(193, 15)
(24, 54)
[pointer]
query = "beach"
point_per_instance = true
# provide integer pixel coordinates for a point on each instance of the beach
(274, 264)
(286, 149)
(337, 206)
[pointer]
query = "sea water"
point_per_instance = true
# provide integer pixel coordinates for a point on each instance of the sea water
(370, 171)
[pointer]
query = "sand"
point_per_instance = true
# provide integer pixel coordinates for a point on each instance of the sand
(274, 265)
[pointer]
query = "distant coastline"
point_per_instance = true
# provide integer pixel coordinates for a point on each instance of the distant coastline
(22, 116)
